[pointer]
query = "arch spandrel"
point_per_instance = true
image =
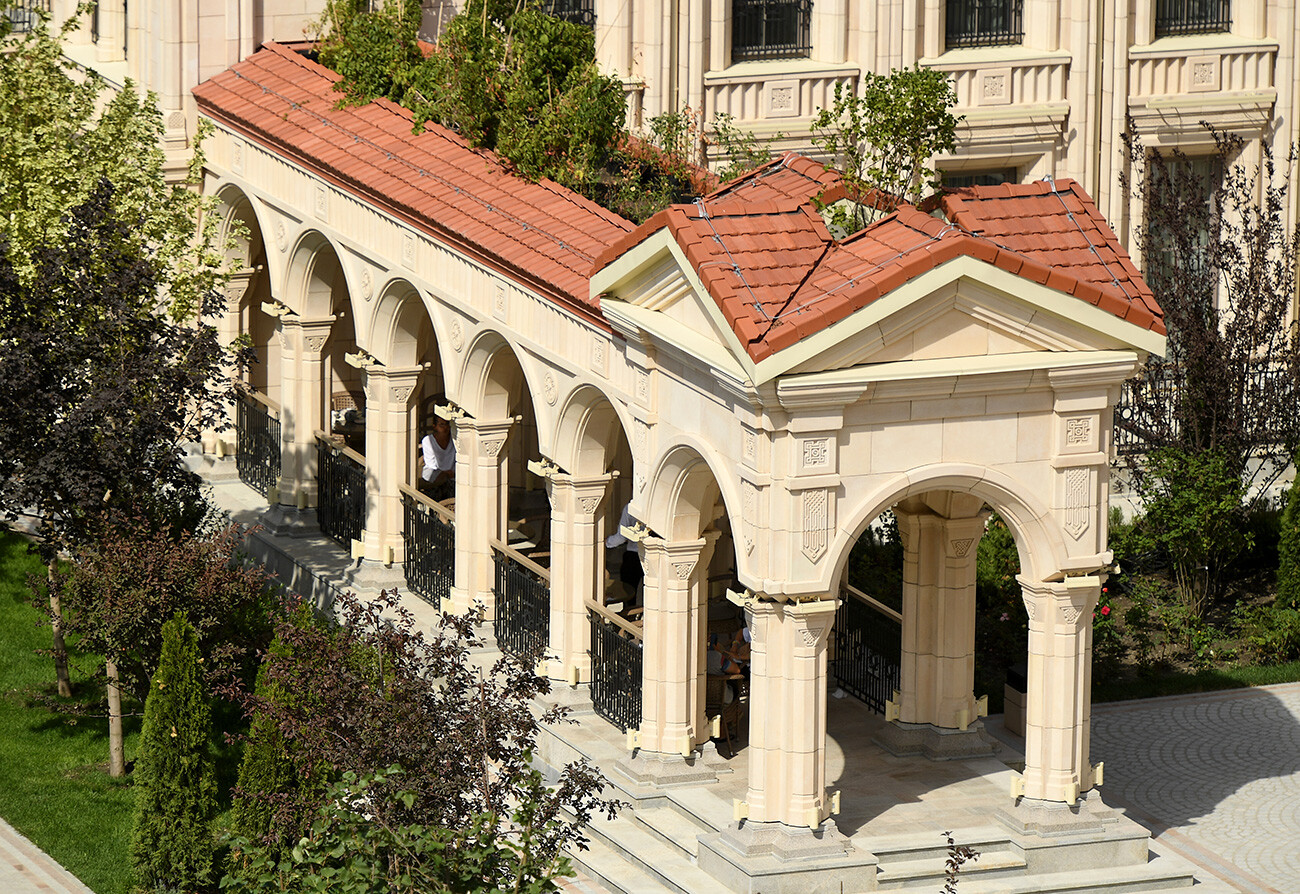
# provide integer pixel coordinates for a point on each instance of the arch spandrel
(684, 487)
(309, 286)
(393, 332)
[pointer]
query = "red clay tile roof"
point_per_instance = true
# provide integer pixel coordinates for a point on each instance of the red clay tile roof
(766, 257)
(539, 233)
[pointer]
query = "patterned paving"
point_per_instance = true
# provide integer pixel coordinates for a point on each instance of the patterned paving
(1217, 775)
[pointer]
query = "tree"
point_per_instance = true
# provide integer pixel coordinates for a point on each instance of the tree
(172, 843)
(64, 131)
(124, 587)
(1218, 414)
(99, 390)
(370, 692)
(882, 139)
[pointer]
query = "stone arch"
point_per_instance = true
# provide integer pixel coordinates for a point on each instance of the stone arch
(684, 489)
(1039, 541)
(235, 206)
(314, 276)
(491, 377)
(393, 333)
(587, 430)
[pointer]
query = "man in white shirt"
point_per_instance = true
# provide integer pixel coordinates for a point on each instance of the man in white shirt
(439, 450)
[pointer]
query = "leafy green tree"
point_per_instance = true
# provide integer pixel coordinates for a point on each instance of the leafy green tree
(883, 138)
(63, 132)
(1288, 551)
(172, 845)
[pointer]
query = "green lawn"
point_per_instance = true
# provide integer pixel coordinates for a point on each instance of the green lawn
(1201, 681)
(54, 784)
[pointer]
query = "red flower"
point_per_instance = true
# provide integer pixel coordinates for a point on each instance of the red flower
(1105, 610)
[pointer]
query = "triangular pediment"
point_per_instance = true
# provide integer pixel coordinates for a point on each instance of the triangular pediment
(963, 308)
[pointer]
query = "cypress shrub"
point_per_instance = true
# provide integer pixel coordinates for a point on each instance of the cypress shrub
(1288, 551)
(172, 846)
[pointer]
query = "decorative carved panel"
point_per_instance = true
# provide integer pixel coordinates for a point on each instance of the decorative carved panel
(1078, 506)
(815, 520)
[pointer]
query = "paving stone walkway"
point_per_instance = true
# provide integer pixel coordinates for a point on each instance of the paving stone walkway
(1215, 776)
(24, 869)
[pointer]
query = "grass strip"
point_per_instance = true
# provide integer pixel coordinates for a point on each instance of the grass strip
(1210, 680)
(54, 783)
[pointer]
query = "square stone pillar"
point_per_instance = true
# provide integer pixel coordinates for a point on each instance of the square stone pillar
(1058, 706)
(388, 399)
(301, 344)
(672, 707)
(938, 654)
(787, 710)
(480, 509)
(577, 571)
(112, 31)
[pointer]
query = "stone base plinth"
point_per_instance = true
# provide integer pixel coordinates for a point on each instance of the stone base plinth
(774, 858)
(286, 521)
(935, 743)
(665, 770)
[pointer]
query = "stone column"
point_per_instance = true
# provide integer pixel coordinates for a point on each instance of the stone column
(787, 710)
(577, 563)
(673, 720)
(480, 509)
(112, 31)
(1058, 705)
(938, 655)
(301, 344)
(388, 398)
(223, 443)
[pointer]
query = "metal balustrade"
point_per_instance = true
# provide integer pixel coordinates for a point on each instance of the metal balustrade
(523, 603)
(983, 23)
(770, 29)
(257, 439)
(868, 648)
(341, 491)
(616, 661)
(1192, 17)
(429, 532)
(578, 12)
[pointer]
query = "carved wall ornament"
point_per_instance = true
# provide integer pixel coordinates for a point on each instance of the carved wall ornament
(749, 445)
(749, 504)
(1078, 431)
(281, 236)
(643, 386)
(314, 344)
(961, 548)
(641, 440)
(499, 302)
(816, 453)
(994, 86)
(683, 569)
(549, 390)
(598, 353)
(400, 394)
(237, 156)
(1203, 73)
(322, 203)
(1070, 614)
(815, 518)
(811, 635)
(1029, 604)
(1078, 508)
(367, 285)
(587, 505)
(493, 448)
(456, 334)
(408, 251)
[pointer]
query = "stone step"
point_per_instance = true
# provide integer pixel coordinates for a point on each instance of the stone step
(928, 872)
(1160, 875)
(673, 827)
(626, 843)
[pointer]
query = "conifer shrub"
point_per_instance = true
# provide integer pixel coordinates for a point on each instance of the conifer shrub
(1288, 551)
(172, 845)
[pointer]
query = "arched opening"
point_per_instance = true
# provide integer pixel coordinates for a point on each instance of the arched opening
(248, 328)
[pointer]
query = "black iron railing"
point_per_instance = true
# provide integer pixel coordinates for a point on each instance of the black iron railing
(1147, 414)
(983, 23)
(616, 654)
(24, 14)
(429, 532)
(770, 29)
(257, 440)
(523, 613)
(341, 491)
(579, 12)
(868, 648)
(1192, 17)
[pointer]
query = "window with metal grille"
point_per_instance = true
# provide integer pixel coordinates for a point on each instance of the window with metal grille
(983, 23)
(958, 179)
(579, 12)
(22, 14)
(770, 29)
(1192, 17)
